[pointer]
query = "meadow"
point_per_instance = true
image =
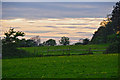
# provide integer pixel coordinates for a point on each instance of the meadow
(69, 49)
(0, 68)
(82, 66)
(96, 65)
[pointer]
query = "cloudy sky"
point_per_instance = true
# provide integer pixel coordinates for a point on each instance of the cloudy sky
(56, 19)
(60, 0)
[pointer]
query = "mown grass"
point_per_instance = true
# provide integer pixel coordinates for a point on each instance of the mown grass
(58, 50)
(82, 66)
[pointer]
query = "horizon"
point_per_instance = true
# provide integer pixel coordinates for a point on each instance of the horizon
(57, 19)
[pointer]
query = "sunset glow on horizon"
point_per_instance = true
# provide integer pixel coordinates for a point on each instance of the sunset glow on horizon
(74, 28)
(54, 20)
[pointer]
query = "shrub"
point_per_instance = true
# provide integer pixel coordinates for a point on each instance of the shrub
(10, 51)
(78, 43)
(113, 48)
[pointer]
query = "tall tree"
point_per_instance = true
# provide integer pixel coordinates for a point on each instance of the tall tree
(12, 36)
(10, 44)
(109, 27)
(64, 40)
(116, 16)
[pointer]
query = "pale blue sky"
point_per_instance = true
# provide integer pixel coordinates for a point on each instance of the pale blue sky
(37, 10)
(60, 0)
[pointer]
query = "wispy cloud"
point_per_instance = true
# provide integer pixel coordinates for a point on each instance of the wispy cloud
(90, 27)
(39, 10)
(80, 32)
(73, 24)
(71, 27)
(48, 28)
(38, 31)
(62, 33)
(54, 20)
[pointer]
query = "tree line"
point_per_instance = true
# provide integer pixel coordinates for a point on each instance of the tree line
(109, 31)
(11, 43)
(11, 37)
(109, 28)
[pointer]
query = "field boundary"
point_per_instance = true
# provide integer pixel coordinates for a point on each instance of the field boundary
(66, 52)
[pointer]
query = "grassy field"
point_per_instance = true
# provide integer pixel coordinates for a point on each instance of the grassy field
(72, 49)
(0, 68)
(82, 66)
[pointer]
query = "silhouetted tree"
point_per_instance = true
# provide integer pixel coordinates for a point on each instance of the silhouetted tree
(109, 27)
(114, 29)
(10, 44)
(78, 43)
(116, 16)
(64, 40)
(31, 43)
(85, 41)
(99, 36)
(50, 42)
(22, 43)
(36, 39)
(44, 43)
(11, 37)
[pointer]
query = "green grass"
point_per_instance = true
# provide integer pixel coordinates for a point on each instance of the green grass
(83, 66)
(74, 49)
(0, 68)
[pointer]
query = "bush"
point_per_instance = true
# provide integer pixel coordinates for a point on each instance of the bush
(113, 48)
(78, 43)
(11, 51)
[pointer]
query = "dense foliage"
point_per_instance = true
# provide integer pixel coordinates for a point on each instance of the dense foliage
(109, 31)
(26, 43)
(50, 42)
(85, 41)
(12, 36)
(106, 33)
(64, 40)
(10, 44)
(113, 48)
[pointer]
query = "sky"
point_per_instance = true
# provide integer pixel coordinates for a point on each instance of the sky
(60, 0)
(53, 20)
(37, 10)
